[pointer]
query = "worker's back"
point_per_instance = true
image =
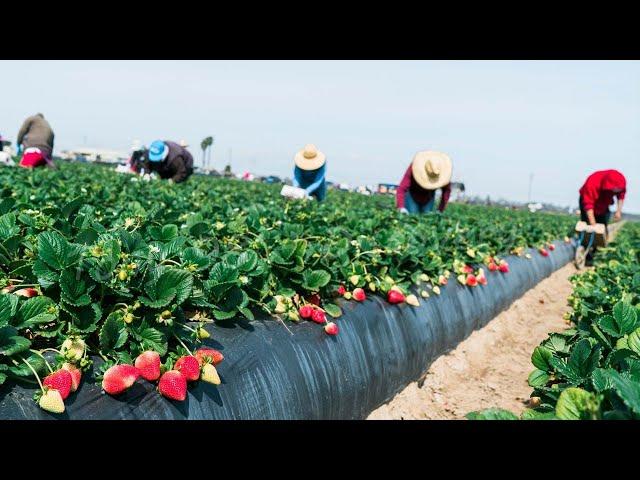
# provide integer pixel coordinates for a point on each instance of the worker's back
(36, 132)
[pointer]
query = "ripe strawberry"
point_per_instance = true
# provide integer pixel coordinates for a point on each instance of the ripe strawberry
(341, 290)
(8, 289)
(306, 311)
(51, 401)
(148, 364)
(315, 299)
(208, 355)
(472, 281)
(173, 385)
(189, 367)
(76, 375)
(60, 380)
(552, 247)
(118, 378)
(358, 294)
(467, 269)
(412, 300)
(504, 267)
(543, 252)
(331, 328)
(394, 296)
(318, 316)
(210, 374)
(493, 267)
(482, 280)
(442, 280)
(27, 292)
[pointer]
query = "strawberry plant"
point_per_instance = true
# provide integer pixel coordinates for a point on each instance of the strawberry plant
(592, 370)
(100, 266)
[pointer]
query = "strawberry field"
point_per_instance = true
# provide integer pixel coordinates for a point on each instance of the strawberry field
(592, 370)
(137, 276)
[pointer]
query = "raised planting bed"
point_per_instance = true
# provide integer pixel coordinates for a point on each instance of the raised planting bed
(268, 373)
(101, 267)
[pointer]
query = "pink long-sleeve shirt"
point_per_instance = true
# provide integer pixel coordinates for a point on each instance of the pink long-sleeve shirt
(421, 195)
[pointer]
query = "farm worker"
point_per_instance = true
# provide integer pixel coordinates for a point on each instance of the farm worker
(597, 194)
(170, 160)
(35, 139)
(138, 157)
(309, 172)
(428, 172)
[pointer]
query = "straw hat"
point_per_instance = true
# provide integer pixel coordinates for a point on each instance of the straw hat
(184, 144)
(432, 170)
(309, 158)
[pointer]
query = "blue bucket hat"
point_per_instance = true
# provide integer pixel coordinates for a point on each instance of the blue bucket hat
(158, 151)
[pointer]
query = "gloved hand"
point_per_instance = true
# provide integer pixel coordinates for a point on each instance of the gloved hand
(403, 210)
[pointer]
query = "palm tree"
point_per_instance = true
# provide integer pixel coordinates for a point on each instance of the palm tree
(204, 145)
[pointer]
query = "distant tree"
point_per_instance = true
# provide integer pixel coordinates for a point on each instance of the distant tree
(204, 145)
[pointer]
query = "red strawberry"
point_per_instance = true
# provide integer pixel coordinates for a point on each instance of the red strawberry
(552, 247)
(359, 295)
(493, 267)
(315, 299)
(8, 289)
(27, 292)
(472, 281)
(306, 311)
(118, 378)
(504, 267)
(208, 355)
(148, 364)
(543, 252)
(173, 385)
(467, 269)
(394, 296)
(331, 328)
(442, 280)
(482, 280)
(60, 380)
(189, 367)
(341, 290)
(76, 375)
(318, 316)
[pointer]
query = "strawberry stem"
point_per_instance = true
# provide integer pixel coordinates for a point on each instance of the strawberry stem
(34, 372)
(42, 357)
(181, 343)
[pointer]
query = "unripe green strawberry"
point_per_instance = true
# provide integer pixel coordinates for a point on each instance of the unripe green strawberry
(412, 300)
(128, 317)
(202, 333)
(424, 294)
(293, 316)
(354, 279)
(424, 277)
(166, 314)
(372, 286)
(122, 275)
(73, 349)
(210, 374)
(436, 290)
(51, 401)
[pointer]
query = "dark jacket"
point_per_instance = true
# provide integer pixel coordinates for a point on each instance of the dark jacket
(36, 132)
(178, 165)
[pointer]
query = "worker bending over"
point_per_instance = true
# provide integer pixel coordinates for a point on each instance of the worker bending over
(428, 172)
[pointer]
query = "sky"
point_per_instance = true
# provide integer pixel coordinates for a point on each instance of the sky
(499, 121)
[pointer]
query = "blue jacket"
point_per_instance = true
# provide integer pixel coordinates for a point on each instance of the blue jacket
(313, 181)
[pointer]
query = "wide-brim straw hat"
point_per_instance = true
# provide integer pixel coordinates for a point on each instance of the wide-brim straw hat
(309, 158)
(183, 143)
(431, 169)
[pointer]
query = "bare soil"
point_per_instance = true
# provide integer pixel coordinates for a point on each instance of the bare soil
(490, 368)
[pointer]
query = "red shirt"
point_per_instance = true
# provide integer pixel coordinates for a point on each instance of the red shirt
(598, 191)
(421, 195)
